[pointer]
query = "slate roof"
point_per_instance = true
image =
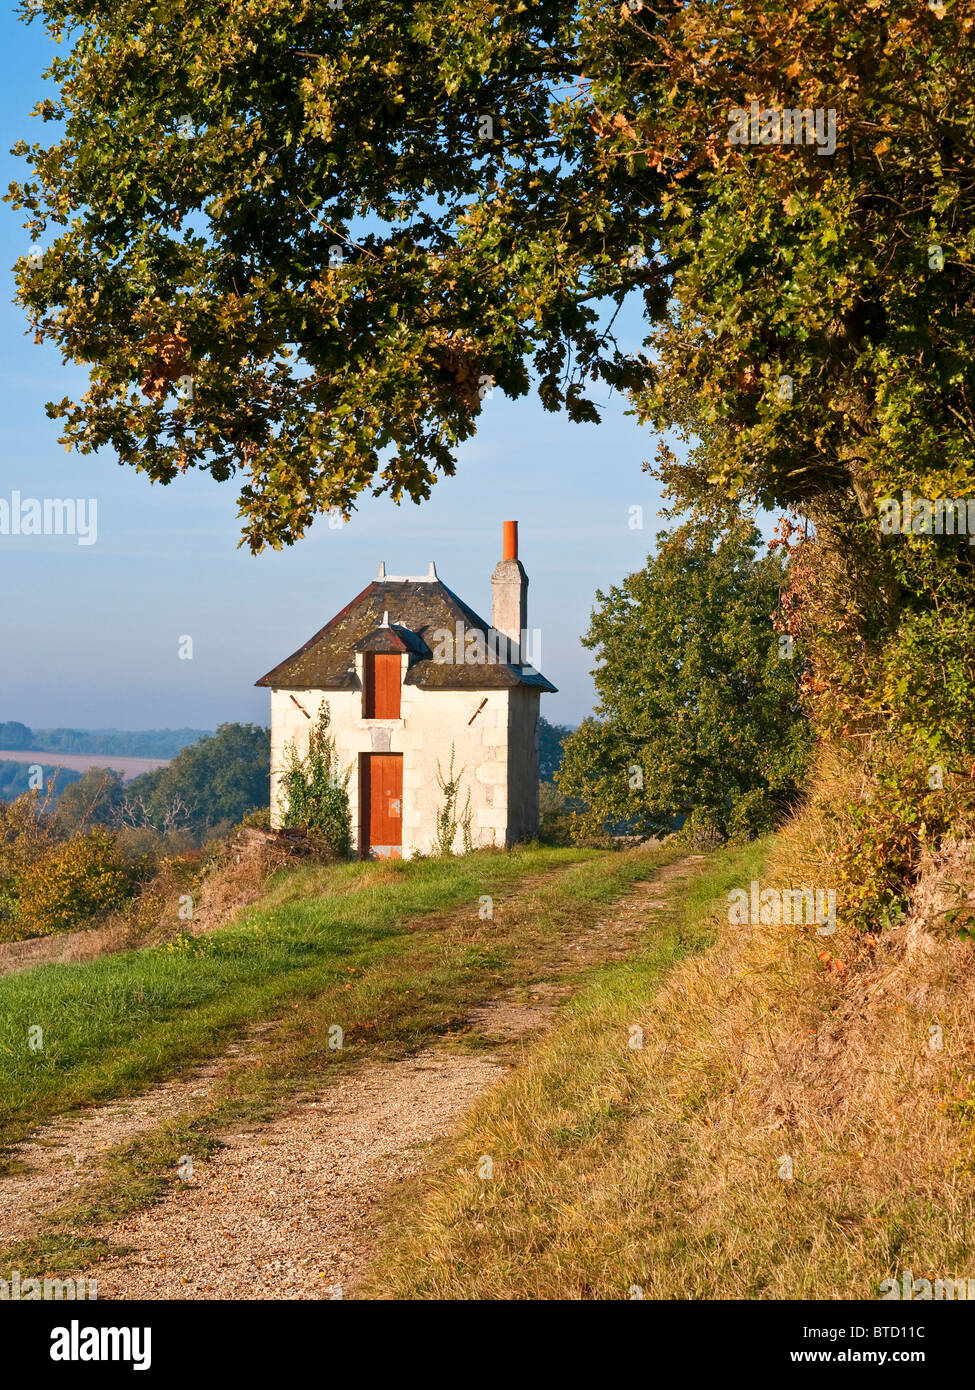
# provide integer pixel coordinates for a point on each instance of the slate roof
(417, 608)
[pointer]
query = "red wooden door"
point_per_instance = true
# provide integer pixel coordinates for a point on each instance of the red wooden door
(382, 805)
(383, 670)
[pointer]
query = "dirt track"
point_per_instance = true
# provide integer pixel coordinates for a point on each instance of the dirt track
(292, 1209)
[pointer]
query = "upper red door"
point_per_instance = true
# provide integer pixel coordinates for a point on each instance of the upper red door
(382, 673)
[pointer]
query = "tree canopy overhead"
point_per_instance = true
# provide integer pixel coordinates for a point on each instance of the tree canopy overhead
(337, 223)
(298, 241)
(301, 241)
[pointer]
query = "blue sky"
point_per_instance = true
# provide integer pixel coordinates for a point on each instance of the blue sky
(91, 633)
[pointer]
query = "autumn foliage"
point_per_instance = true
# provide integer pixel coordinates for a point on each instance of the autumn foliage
(71, 884)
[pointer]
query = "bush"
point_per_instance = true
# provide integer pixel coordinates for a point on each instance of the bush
(92, 799)
(557, 815)
(703, 829)
(314, 792)
(67, 887)
(143, 845)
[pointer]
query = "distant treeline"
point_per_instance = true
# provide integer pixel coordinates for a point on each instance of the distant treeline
(217, 781)
(211, 780)
(144, 743)
(207, 787)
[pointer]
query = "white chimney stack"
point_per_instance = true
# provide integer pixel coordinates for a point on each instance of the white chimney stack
(509, 590)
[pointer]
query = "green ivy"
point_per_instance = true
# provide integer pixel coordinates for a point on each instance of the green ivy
(313, 791)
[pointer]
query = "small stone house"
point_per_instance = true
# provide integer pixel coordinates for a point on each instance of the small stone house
(409, 673)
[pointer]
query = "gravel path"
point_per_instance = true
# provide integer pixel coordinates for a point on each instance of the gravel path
(291, 1209)
(288, 1211)
(65, 1154)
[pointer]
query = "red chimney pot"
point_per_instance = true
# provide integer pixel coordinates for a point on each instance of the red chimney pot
(509, 540)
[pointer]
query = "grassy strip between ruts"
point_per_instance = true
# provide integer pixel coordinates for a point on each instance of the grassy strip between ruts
(571, 1195)
(391, 990)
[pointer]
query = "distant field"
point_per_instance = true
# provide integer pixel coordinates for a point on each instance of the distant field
(81, 762)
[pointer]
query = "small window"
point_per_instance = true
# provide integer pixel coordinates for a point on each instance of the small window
(382, 673)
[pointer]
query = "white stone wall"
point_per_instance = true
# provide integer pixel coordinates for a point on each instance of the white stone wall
(495, 745)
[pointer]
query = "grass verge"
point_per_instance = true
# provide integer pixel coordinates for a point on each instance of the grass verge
(787, 1130)
(111, 1026)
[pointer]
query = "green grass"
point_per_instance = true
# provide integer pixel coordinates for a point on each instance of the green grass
(114, 1025)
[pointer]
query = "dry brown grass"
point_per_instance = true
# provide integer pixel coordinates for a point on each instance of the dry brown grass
(824, 1054)
(65, 948)
(664, 1169)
